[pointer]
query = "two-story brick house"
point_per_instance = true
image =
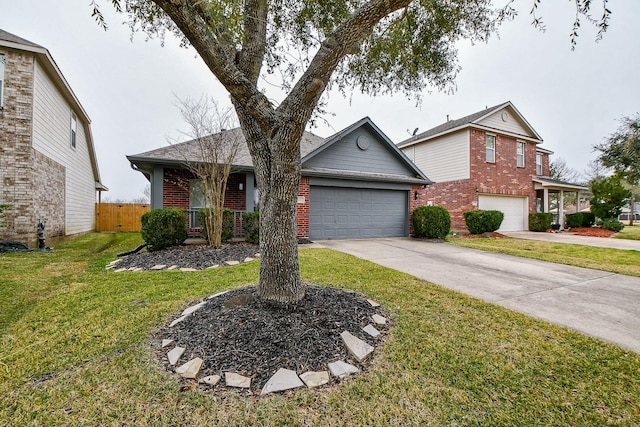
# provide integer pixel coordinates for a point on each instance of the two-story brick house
(490, 159)
(48, 166)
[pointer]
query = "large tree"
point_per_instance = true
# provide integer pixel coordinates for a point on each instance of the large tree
(377, 46)
(621, 152)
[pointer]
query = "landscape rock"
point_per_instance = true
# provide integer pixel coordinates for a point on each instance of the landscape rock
(232, 262)
(191, 369)
(175, 354)
(217, 294)
(358, 348)
(248, 259)
(373, 303)
(159, 267)
(371, 330)
(283, 379)
(120, 270)
(214, 266)
(379, 320)
(341, 369)
(232, 379)
(188, 269)
(178, 320)
(315, 379)
(187, 311)
(211, 380)
(167, 343)
(173, 267)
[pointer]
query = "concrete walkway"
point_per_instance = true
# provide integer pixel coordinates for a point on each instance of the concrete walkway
(597, 303)
(567, 237)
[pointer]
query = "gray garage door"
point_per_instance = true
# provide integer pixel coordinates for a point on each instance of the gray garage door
(356, 213)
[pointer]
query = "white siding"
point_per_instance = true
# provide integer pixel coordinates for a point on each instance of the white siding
(511, 124)
(51, 137)
(444, 159)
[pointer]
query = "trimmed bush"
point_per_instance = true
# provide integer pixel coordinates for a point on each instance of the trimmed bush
(162, 228)
(228, 219)
(540, 221)
(574, 220)
(611, 224)
(588, 219)
(251, 226)
(481, 221)
(432, 222)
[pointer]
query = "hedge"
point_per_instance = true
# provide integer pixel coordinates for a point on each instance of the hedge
(540, 221)
(611, 224)
(251, 226)
(481, 221)
(162, 228)
(228, 219)
(432, 222)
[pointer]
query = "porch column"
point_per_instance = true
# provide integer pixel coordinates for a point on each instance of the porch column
(545, 200)
(561, 210)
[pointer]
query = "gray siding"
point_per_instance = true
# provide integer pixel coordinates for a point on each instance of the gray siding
(346, 155)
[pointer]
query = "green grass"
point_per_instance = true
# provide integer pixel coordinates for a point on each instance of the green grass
(629, 232)
(606, 259)
(75, 351)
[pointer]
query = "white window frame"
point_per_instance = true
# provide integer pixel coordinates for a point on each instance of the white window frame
(3, 61)
(73, 125)
(490, 150)
(520, 148)
(539, 160)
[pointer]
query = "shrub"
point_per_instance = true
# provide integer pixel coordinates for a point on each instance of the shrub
(166, 227)
(574, 220)
(481, 221)
(611, 224)
(588, 219)
(540, 221)
(432, 222)
(251, 226)
(228, 219)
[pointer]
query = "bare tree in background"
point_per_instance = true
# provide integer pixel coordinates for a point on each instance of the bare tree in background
(209, 156)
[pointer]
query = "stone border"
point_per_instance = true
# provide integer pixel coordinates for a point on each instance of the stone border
(284, 379)
(161, 267)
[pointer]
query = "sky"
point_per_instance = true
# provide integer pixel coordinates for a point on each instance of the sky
(129, 85)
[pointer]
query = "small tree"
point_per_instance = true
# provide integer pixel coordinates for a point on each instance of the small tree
(609, 196)
(3, 208)
(209, 157)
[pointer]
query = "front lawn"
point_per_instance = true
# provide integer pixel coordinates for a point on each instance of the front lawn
(75, 351)
(614, 260)
(629, 232)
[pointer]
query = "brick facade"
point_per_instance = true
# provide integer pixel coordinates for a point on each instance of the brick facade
(31, 183)
(502, 177)
(302, 212)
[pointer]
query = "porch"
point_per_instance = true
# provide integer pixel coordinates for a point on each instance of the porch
(195, 228)
(546, 188)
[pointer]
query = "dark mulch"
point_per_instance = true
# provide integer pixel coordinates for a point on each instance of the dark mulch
(238, 332)
(191, 256)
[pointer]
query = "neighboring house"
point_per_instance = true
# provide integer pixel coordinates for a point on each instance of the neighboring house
(626, 214)
(48, 167)
(487, 160)
(355, 184)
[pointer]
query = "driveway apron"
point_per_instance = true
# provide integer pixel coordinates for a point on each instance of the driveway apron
(597, 303)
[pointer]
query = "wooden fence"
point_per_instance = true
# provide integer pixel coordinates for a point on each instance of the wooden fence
(124, 217)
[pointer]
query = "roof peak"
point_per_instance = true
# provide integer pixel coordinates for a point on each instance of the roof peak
(9, 37)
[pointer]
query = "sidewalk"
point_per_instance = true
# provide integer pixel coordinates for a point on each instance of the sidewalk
(566, 237)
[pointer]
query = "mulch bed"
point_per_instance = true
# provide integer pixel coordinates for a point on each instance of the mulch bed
(591, 231)
(191, 256)
(238, 332)
(490, 234)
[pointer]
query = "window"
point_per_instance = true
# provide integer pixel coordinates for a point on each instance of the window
(491, 149)
(538, 163)
(2, 62)
(520, 154)
(74, 128)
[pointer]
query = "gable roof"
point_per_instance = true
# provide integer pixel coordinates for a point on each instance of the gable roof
(11, 41)
(310, 146)
(473, 120)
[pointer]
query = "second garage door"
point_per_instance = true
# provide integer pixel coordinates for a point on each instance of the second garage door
(356, 213)
(514, 209)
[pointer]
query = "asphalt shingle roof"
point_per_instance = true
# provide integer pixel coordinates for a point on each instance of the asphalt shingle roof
(7, 36)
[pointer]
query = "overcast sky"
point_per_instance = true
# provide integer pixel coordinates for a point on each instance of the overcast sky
(573, 99)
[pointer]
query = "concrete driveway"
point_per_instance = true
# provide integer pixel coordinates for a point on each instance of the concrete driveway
(597, 303)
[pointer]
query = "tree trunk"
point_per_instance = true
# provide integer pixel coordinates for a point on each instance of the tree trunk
(276, 160)
(632, 211)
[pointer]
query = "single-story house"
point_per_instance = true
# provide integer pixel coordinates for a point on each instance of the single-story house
(354, 184)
